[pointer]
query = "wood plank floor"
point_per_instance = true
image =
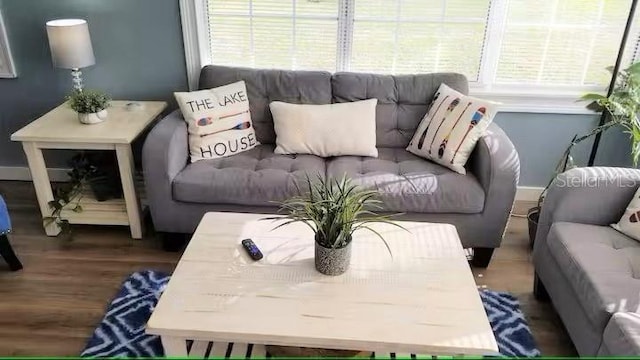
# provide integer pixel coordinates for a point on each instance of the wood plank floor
(53, 305)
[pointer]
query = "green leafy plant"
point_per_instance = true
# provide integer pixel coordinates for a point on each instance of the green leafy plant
(88, 101)
(334, 210)
(68, 196)
(621, 107)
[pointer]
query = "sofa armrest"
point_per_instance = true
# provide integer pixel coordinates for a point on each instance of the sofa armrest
(496, 165)
(590, 195)
(164, 155)
(621, 337)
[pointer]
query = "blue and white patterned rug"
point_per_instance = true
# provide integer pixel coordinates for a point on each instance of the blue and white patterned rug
(121, 332)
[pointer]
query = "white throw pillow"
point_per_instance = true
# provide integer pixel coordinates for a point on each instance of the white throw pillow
(326, 130)
(218, 121)
(629, 224)
(451, 128)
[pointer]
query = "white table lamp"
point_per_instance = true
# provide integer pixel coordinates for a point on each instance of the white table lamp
(71, 48)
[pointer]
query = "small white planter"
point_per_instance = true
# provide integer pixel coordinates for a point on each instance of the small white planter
(93, 118)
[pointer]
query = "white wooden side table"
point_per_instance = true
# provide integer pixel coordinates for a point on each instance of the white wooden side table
(60, 129)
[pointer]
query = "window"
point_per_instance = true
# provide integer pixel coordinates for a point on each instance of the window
(517, 51)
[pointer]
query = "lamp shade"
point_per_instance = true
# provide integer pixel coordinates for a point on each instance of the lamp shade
(70, 43)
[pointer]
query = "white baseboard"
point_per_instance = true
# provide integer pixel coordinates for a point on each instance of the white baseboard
(22, 173)
(528, 193)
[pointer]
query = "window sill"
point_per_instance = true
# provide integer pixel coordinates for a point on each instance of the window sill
(536, 102)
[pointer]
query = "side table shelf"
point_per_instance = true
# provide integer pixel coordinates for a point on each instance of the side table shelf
(109, 212)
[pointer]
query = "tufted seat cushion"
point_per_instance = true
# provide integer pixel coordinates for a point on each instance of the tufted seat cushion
(408, 183)
(255, 177)
(601, 264)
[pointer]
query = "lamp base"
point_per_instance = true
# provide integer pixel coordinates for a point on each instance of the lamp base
(76, 79)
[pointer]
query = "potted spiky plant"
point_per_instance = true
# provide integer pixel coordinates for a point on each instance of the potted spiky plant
(334, 210)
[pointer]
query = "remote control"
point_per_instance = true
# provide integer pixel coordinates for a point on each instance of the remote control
(252, 249)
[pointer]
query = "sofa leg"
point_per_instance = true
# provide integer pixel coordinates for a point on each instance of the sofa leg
(6, 251)
(539, 291)
(174, 242)
(481, 257)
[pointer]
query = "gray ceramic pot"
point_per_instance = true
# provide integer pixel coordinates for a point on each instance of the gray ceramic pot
(333, 261)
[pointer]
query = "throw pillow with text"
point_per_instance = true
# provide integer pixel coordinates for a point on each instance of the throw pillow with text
(218, 120)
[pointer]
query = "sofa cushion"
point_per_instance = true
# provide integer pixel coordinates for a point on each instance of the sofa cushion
(402, 100)
(601, 264)
(253, 178)
(409, 183)
(326, 130)
(265, 86)
(621, 336)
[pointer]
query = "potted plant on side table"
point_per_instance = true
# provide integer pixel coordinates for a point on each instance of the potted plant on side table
(622, 107)
(91, 106)
(334, 210)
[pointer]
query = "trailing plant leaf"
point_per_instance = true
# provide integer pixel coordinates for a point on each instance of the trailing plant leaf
(68, 196)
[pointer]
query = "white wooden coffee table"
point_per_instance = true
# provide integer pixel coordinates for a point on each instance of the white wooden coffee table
(421, 301)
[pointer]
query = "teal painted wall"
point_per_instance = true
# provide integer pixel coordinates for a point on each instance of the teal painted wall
(139, 54)
(138, 49)
(541, 139)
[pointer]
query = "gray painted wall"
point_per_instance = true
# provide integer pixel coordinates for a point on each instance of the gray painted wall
(138, 49)
(541, 139)
(139, 54)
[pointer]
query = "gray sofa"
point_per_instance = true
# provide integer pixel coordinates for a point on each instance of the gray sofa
(478, 203)
(590, 271)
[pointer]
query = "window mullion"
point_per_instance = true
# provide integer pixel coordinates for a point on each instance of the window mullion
(345, 34)
(592, 43)
(545, 50)
(496, 23)
(293, 50)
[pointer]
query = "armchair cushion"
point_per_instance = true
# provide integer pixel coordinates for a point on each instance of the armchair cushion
(622, 335)
(602, 266)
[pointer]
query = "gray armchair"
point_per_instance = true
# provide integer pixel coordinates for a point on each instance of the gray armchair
(590, 271)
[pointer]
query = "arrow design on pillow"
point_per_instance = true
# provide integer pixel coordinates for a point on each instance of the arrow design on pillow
(475, 119)
(241, 126)
(635, 217)
(424, 133)
(443, 145)
(209, 120)
(454, 103)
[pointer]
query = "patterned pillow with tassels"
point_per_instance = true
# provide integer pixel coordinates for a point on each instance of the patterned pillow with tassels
(451, 128)
(629, 224)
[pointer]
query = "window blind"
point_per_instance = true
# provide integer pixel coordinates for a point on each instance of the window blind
(561, 42)
(408, 36)
(294, 34)
(532, 44)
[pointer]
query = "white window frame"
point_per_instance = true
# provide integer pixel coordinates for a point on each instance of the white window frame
(515, 98)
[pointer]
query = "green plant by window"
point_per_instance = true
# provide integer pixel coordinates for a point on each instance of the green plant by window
(622, 108)
(334, 210)
(88, 101)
